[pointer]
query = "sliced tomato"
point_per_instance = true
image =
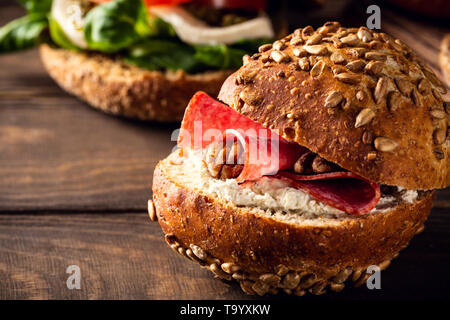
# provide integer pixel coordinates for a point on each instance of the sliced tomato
(228, 4)
(152, 2)
(236, 4)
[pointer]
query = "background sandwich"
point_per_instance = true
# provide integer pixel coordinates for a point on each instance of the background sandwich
(140, 59)
(361, 133)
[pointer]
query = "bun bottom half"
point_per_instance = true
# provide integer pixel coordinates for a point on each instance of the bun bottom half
(265, 254)
(118, 88)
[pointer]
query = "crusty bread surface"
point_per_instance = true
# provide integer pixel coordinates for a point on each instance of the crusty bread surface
(266, 254)
(356, 97)
(122, 89)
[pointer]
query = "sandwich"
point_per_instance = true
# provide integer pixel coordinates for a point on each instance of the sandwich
(140, 58)
(318, 160)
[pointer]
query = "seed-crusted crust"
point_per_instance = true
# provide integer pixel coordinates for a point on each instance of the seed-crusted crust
(444, 58)
(325, 254)
(358, 98)
(122, 89)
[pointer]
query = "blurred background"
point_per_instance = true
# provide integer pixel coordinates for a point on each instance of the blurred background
(74, 182)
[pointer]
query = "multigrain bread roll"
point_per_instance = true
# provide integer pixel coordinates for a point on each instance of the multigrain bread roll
(122, 89)
(359, 131)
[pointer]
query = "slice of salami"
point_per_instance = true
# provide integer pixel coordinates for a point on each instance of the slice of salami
(342, 190)
(207, 120)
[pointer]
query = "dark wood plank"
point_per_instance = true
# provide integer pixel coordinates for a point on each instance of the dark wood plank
(123, 256)
(55, 152)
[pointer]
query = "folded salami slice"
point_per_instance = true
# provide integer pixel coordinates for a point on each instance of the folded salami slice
(206, 120)
(342, 190)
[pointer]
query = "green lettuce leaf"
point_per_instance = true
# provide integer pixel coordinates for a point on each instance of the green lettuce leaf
(116, 25)
(37, 6)
(219, 56)
(158, 27)
(22, 33)
(161, 54)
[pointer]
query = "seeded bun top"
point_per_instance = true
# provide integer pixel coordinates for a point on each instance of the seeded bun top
(356, 97)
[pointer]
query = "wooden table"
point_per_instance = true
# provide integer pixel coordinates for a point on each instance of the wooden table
(74, 185)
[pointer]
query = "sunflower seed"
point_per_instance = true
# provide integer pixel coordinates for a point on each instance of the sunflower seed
(350, 40)
(393, 101)
(367, 137)
(230, 267)
(314, 39)
(356, 65)
(307, 281)
(364, 117)
(323, 30)
(307, 31)
(336, 57)
(332, 25)
(294, 91)
(374, 45)
(438, 114)
(372, 55)
(439, 154)
(439, 136)
(374, 67)
(415, 97)
(279, 56)
(304, 64)
(279, 45)
(318, 49)
(372, 155)
(385, 144)
(360, 95)
(199, 252)
(347, 77)
(152, 211)
(364, 35)
(246, 286)
(245, 59)
(319, 288)
(265, 47)
(317, 69)
(219, 272)
(337, 287)
(249, 96)
(290, 280)
(247, 75)
(404, 86)
(260, 288)
(383, 265)
(281, 270)
(424, 86)
(270, 279)
(356, 52)
(303, 163)
(299, 52)
(320, 165)
(380, 90)
(333, 99)
(296, 41)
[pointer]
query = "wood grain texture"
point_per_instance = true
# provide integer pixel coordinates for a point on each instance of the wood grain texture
(124, 256)
(57, 153)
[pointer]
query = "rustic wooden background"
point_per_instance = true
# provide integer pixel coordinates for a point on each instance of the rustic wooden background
(74, 184)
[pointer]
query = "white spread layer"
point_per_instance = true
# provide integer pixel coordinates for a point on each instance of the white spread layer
(269, 195)
(69, 15)
(194, 31)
